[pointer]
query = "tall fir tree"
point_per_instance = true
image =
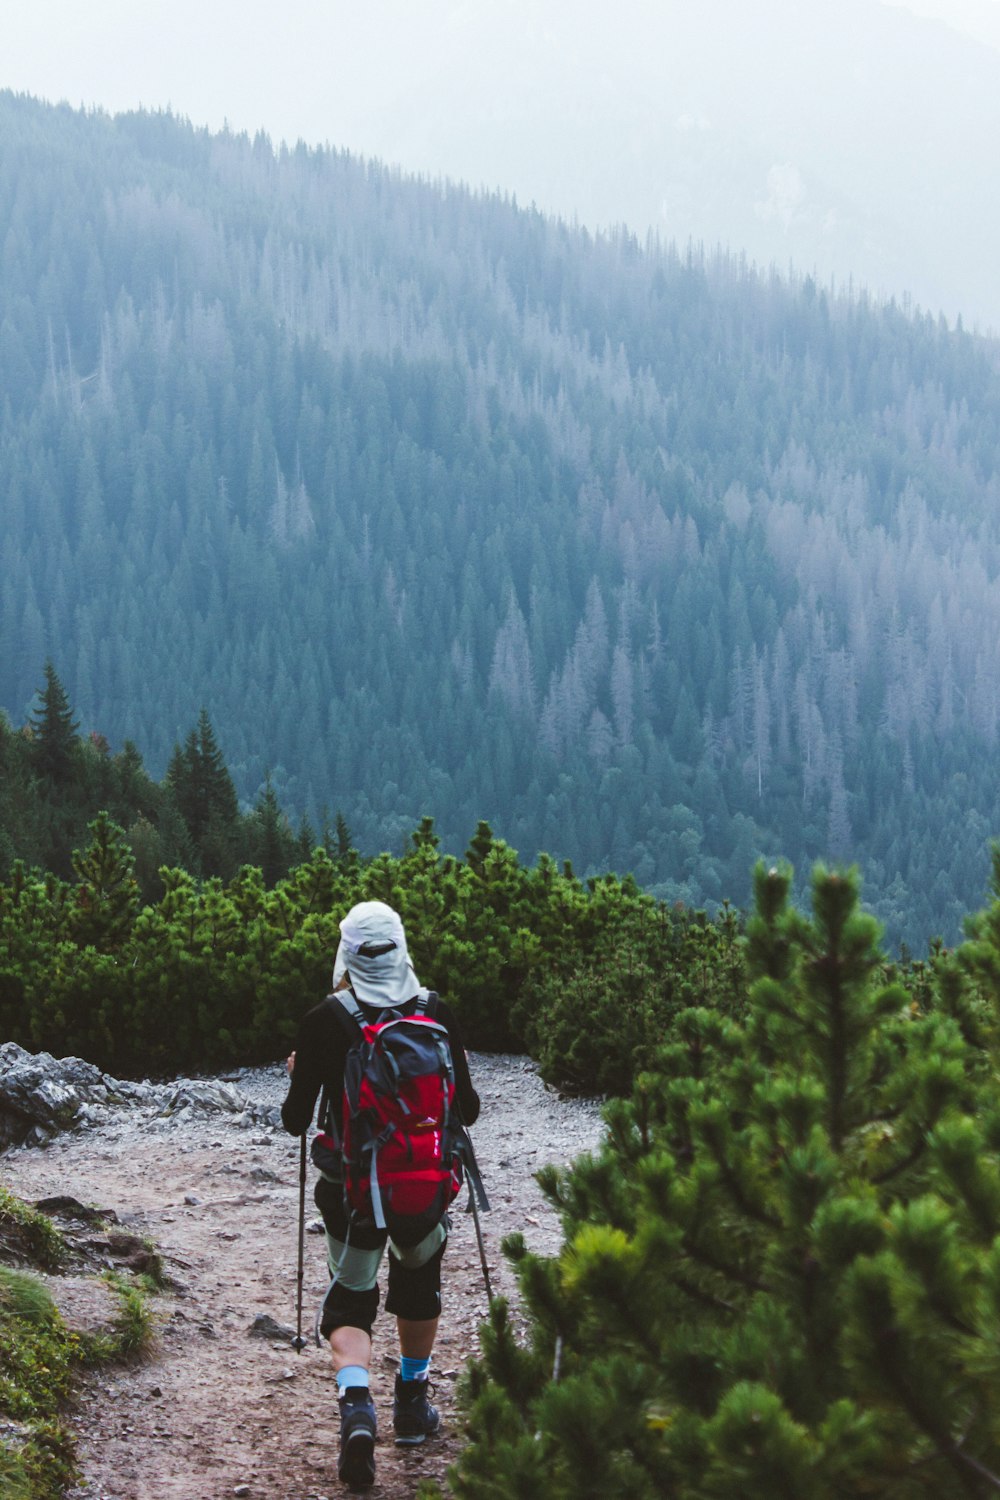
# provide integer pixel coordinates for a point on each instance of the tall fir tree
(54, 732)
(272, 836)
(205, 796)
(345, 853)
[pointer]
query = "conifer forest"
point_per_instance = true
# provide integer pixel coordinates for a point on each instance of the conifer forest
(655, 561)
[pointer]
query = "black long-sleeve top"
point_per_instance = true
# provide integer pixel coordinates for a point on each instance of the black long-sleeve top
(320, 1052)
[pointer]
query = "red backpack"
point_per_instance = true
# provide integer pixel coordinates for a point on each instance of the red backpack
(401, 1144)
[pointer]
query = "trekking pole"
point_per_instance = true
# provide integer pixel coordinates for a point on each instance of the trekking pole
(476, 1190)
(299, 1343)
(482, 1247)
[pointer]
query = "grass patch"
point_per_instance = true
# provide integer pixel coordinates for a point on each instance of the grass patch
(154, 1277)
(130, 1333)
(30, 1233)
(39, 1355)
(36, 1349)
(15, 1484)
(37, 1358)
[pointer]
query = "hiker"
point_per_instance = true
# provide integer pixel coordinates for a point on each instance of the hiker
(373, 975)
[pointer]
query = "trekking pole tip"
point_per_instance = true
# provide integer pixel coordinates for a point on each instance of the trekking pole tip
(298, 1343)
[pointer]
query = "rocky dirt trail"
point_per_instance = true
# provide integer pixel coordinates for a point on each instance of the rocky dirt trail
(214, 1410)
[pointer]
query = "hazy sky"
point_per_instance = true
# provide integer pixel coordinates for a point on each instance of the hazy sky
(315, 69)
(976, 18)
(793, 132)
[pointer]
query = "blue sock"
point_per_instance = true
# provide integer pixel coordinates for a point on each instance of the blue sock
(351, 1375)
(414, 1369)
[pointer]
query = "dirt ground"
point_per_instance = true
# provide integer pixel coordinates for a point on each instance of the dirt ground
(215, 1411)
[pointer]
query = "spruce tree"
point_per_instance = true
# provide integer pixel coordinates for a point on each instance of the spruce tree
(214, 792)
(54, 731)
(272, 836)
(782, 1270)
(346, 855)
(305, 841)
(205, 796)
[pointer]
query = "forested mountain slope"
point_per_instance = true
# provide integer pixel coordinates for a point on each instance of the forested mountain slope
(650, 559)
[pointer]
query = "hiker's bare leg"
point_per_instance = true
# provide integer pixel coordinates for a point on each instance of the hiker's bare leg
(416, 1337)
(350, 1346)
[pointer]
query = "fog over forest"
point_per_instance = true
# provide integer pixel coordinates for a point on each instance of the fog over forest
(847, 138)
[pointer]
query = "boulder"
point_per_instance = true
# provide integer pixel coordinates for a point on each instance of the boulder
(41, 1095)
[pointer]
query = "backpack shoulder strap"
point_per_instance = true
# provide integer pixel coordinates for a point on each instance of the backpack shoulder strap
(347, 1008)
(347, 1014)
(427, 1004)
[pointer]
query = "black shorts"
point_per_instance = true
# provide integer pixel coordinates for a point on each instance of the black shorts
(354, 1256)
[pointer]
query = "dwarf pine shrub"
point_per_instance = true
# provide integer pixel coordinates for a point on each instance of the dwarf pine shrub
(781, 1273)
(588, 975)
(599, 1009)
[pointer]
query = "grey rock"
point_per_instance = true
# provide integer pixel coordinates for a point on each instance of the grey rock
(204, 1096)
(266, 1327)
(41, 1095)
(66, 1207)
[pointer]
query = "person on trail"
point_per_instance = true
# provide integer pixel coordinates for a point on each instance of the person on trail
(372, 968)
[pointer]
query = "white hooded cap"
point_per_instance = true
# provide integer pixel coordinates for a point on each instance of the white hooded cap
(373, 951)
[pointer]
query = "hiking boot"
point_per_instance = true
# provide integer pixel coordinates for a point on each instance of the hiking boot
(413, 1416)
(356, 1468)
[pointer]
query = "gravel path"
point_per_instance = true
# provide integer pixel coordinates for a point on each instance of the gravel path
(216, 1412)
